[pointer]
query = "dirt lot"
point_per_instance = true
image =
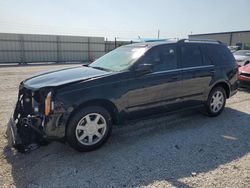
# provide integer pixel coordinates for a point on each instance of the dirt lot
(183, 150)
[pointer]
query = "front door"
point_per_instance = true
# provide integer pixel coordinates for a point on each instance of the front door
(149, 93)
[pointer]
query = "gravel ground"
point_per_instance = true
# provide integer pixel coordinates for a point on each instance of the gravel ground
(183, 150)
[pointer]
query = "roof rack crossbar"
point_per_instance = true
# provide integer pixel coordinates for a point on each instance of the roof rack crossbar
(200, 40)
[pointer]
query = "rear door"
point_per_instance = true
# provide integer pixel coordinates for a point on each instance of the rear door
(197, 72)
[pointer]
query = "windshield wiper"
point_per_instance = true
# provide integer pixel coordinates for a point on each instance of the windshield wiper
(101, 68)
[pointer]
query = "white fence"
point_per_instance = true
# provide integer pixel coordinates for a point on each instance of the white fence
(27, 48)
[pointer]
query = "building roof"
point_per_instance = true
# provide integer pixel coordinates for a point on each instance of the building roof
(229, 32)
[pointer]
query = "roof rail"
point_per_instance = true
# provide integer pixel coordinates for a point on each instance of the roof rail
(153, 40)
(158, 40)
(200, 40)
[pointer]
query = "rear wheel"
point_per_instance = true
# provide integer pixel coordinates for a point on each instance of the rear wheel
(89, 129)
(216, 101)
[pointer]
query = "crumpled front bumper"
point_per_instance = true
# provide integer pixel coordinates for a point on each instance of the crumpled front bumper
(11, 133)
(14, 139)
(28, 127)
(26, 133)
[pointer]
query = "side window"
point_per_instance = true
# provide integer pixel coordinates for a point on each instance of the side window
(219, 54)
(163, 57)
(206, 59)
(191, 56)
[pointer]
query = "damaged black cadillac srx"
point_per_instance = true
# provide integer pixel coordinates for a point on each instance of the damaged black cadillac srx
(79, 105)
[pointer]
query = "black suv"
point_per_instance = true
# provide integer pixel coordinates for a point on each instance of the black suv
(81, 104)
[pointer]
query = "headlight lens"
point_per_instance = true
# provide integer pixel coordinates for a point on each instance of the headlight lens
(48, 102)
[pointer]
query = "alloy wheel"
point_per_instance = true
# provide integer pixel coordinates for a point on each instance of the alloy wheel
(91, 129)
(217, 101)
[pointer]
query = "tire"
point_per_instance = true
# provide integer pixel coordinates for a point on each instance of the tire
(216, 98)
(89, 128)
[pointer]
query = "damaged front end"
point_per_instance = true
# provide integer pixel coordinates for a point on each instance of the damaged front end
(26, 128)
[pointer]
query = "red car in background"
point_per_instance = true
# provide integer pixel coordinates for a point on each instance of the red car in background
(244, 75)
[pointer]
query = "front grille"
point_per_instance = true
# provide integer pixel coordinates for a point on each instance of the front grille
(245, 74)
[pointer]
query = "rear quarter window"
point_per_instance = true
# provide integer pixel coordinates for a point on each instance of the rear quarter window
(219, 54)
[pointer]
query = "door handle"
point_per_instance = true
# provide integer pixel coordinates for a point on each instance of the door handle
(212, 71)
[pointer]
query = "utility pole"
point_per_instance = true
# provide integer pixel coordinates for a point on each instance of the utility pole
(158, 35)
(115, 41)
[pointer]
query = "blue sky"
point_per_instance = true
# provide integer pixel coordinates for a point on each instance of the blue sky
(124, 18)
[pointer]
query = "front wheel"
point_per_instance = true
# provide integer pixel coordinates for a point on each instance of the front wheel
(216, 101)
(89, 128)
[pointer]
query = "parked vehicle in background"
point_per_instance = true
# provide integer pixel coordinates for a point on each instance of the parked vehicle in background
(81, 104)
(244, 75)
(233, 48)
(242, 57)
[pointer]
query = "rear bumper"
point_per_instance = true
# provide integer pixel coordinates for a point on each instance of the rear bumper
(244, 79)
(234, 88)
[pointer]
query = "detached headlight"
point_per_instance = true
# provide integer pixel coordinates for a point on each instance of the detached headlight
(49, 105)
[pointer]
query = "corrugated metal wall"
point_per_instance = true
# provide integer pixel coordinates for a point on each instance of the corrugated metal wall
(239, 38)
(111, 45)
(10, 48)
(27, 48)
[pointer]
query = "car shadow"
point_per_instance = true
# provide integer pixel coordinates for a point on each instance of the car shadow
(161, 149)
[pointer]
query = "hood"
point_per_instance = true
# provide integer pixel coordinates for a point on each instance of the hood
(245, 68)
(240, 57)
(63, 76)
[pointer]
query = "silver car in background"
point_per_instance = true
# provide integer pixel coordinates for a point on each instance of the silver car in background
(242, 57)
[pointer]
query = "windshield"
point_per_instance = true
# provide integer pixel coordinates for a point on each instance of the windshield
(119, 59)
(242, 52)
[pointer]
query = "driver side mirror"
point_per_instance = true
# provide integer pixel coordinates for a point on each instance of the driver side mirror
(144, 68)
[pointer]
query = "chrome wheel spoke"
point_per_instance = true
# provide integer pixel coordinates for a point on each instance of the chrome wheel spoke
(100, 126)
(90, 139)
(97, 119)
(84, 135)
(81, 128)
(98, 134)
(88, 119)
